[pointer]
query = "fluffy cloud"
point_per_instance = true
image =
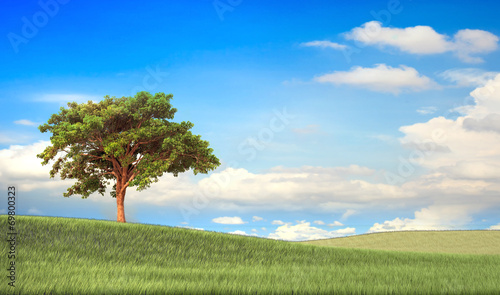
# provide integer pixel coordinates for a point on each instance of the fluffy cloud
(467, 147)
(335, 223)
(381, 78)
(468, 77)
(19, 163)
(242, 233)
(257, 218)
(495, 227)
(435, 217)
(229, 220)
(291, 189)
(424, 40)
(319, 222)
(324, 44)
(304, 231)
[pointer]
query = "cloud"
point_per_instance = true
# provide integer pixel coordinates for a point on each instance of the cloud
(489, 123)
(435, 217)
(278, 222)
(34, 211)
(19, 162)
(65, 98)
(472, 142)
(335, 223)
(242, 233)
(229, 220)
(304, 231)
(309, 129)
(318, 222)
(381, 78)
(424, 40)
(324, 44)
(257, 218)
(467, 42)
(238, 232)
(291, 189)
(196, 228)
(13, 137)
(495, 227)
(25, 122)
(348, 213)
(427, 110)
(468, 77)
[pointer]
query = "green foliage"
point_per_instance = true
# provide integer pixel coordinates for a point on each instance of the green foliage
(127, 138)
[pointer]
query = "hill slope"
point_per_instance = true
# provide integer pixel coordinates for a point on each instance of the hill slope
(461, 242)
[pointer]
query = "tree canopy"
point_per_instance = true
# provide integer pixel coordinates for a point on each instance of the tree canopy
(128, 139)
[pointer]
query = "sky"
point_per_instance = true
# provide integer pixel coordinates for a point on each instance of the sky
(330, 118)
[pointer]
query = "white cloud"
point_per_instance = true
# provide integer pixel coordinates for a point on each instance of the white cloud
(11, 137)
(381, 78)
(238, 232)
(19, 162)
(424, 40)
(467, 42)
(254, 230)
(427, 110)
(348, 213)
(463, 153)
(242, 233)
(63, 99)
(468, 77)
(319, 222)
(229, 220)
(34, 211)
(257, 218)
(25, 122)
(263, 228)
(335, 223)
(495, 227)
(278, 222)
(304, 231)
(324, 44)
(309, 129)
(196, 228)
(435, 217)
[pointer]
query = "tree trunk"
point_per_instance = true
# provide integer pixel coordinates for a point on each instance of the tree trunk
(120, 199)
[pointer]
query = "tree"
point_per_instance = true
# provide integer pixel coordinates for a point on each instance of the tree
(127, 139)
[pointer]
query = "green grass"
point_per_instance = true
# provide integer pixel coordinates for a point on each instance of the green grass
(460, 242)
(79, 256)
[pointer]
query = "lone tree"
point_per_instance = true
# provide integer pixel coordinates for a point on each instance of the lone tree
(127, 139)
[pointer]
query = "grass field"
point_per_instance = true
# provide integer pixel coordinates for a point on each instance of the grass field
(79, 256)
(460, 242)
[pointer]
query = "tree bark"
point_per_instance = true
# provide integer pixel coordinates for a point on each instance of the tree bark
(120, 200)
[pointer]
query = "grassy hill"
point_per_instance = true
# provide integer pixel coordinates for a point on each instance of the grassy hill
(79, 256)
(461, 242)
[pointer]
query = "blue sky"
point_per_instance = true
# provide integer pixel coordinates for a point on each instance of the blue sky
(331, 118)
